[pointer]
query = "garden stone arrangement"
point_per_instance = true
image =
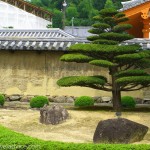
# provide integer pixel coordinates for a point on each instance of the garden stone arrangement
(53, 114)
(69, 99)
(119, 131)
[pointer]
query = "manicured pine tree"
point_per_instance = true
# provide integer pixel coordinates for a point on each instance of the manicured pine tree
(125, 63)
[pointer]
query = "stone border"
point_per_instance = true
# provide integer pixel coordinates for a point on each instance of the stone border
(68, 99)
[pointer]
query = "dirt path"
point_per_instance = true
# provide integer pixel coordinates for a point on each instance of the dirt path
(79, 128)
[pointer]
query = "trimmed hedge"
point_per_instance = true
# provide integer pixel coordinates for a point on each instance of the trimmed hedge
(81, 81)
(104, 49)
(2, 100)
(11, 140)
(38, 101)
(143, 80)
(76, 58)
(84, 101)
(128, 102)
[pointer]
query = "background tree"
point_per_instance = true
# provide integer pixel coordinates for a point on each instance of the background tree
(86, 9)
(109, 4)
(99, 4)
(57, 19)
(71, 12)
(124, 62)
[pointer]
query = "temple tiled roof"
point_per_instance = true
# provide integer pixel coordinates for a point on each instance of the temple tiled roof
(50, 40)
(132, 3)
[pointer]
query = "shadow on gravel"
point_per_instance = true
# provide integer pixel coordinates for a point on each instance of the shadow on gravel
(109, 108)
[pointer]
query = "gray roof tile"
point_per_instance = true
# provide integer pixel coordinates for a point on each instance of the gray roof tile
(51, 39)
(50, 33)
(132, 3)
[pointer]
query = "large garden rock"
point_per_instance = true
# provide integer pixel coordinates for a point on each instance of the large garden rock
(53, 114)
(119, 131)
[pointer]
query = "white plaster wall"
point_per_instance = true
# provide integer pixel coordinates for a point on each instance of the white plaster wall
(19, 19)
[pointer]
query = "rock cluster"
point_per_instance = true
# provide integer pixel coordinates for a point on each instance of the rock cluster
(70, 99)
(53, 114)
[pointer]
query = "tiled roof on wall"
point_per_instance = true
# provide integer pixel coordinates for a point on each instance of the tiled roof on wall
(145, 43)
(51, 40)
(38, 44)
(132, 3)
(49, 33)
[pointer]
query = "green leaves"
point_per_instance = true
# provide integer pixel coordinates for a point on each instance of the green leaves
(80, 58)
(122, 27)
(102, 63)
(87, 81)
(101, 26)
(109, 12)
(135, 72)
(138, 80)
(120, 15)
(95, 31)
(115, 36)
(143, 63)
(93, 37)
(106, 42)
(132, 57)
(104, 49)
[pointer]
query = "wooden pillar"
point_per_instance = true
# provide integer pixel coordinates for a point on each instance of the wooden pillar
(146, 22)
(146, 26)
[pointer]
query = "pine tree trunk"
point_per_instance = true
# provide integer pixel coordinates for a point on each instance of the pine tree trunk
(116, 93)
(116, 99)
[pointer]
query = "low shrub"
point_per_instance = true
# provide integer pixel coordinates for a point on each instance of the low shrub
(128, 102)
(2, 100)
(38, 101)
(84, 101)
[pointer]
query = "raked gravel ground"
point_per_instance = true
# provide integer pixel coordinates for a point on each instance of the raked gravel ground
(79, 128)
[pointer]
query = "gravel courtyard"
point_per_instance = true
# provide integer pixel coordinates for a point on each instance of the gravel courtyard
(79, 128)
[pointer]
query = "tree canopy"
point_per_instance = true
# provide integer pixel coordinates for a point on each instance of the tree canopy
(82, 10)
(125, 63)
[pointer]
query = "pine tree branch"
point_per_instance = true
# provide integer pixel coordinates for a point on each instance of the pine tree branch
(128, 88)
(99, 88)
(136, 88)
(128, 67)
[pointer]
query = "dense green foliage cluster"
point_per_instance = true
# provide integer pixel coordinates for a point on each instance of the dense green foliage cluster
(84, 101)
(16, 141)
(82, 10)
(38, 101)
(125, 63)
(128, 102)
(2, 100)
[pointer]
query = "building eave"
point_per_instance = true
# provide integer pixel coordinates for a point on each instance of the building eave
(132, 3)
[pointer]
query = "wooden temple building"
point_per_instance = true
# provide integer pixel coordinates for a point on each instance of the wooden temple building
(138, 12)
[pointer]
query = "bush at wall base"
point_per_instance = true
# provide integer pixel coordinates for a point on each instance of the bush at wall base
(84, 101)
(38, 101)
(2, 100)
(128, 102)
